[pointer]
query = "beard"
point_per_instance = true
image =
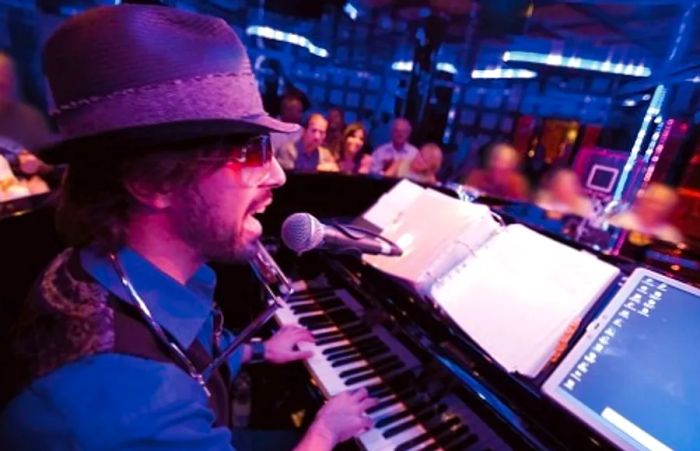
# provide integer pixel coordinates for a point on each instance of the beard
(204, 225)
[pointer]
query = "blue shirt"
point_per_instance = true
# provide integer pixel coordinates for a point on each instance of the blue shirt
(306, 161)
(115, 401)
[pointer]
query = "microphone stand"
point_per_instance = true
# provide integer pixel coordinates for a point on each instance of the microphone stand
(278, 288)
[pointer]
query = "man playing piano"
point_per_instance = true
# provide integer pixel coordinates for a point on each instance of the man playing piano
(166, 140)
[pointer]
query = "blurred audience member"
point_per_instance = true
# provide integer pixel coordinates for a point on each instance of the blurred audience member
(500, 175)
(291, 110)
(19, 122)
(307, 154)
(423, 168)
(336, 126)
(396, 150)
(650, 213)
(10, 188)
(348, 152)
(561, 192)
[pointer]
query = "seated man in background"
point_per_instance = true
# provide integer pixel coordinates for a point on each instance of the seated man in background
(423, 168)
(112, 345)
(500, 175)
(650, 213)
(308, 154)
(396, 150)
(561, 193)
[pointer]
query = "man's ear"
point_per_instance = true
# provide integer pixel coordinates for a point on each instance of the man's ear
(148, 194)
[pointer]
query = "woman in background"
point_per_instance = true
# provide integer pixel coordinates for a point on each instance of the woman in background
(349, 155)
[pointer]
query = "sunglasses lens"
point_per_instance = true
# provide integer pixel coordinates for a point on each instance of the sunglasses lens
(258, 151)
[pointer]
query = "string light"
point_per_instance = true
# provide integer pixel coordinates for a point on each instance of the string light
(573, 62)
(291, 38)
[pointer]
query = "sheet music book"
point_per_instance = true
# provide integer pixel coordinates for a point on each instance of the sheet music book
(512, 290)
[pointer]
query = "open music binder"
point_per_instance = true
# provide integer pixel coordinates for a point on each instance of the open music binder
(512, 290)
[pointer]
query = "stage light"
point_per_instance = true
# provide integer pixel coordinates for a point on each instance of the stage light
(350, 10)
(573, 62)
(652, 114)
(407, 66)
(499, 72)
(629, 102)
(291, 38)
(447, 67)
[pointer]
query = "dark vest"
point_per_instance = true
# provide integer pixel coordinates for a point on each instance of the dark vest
(69, 316)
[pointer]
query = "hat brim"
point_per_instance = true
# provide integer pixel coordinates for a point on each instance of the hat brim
(139, 139)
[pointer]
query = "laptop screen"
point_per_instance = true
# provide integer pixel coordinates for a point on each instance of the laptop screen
(635, 375)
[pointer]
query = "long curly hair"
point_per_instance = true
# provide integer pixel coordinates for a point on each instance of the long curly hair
(95, 204)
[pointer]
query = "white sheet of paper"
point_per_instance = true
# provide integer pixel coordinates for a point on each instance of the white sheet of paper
(520, 291)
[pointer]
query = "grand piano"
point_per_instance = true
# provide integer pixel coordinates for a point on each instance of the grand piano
(436, 388)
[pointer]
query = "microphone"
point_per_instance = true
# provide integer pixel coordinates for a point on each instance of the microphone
(302, 232)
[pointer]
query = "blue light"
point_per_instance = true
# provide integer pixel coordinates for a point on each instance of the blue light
(503, 73)
(653, 110)
(350, 10)
(402, 66)
(629, 102)
(291, 38)
(447, 67)
(551, 59)
(407, 66)
(652, 142)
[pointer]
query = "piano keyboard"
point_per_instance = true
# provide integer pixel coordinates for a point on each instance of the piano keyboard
(350, 354)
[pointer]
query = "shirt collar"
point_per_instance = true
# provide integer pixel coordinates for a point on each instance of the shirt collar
(401, 149)
(181, 309)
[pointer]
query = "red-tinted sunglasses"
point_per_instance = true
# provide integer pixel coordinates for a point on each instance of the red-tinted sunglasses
(255, 152)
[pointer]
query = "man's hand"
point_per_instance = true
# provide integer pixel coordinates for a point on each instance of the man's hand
(282, 347)
(342, 417)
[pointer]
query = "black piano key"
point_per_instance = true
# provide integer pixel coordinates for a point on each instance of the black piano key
(366, 354)
(394, 417)
(359, 335)
(453, 436)
(464, 444)
(371, 364)
(325, 305)
(340, 316)
(396, 383)
(330, 340)
(431, 432)
(377, 372)
(306, 295)
(354, 352)
(383, 404)
(358, 346)
(348, 330)
(422, 416)
(393, 397)
(359, 343)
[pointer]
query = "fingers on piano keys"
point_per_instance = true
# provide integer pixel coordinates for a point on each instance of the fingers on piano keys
(349, 355)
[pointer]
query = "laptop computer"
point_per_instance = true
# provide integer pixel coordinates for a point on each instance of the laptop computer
(635, 374)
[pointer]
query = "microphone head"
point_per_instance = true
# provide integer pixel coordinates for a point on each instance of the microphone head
(302, 232)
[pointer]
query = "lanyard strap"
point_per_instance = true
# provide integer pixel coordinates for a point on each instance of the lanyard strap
(143, 309)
